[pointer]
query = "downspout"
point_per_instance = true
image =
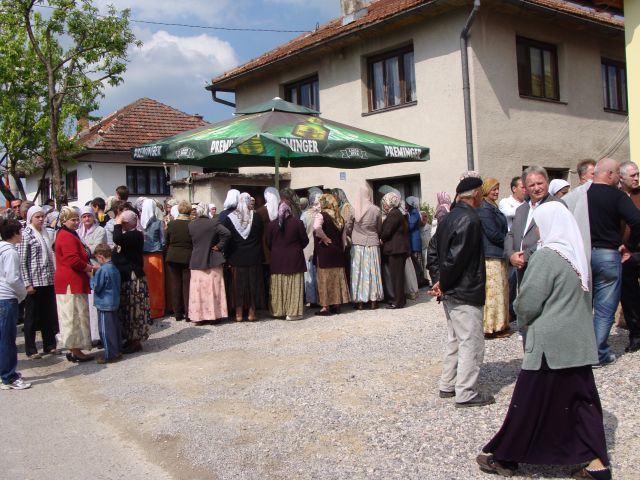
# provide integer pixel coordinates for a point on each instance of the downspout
(466, 90)
(217, 99)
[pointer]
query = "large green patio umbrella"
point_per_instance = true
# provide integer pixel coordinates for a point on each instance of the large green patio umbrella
(280, 133)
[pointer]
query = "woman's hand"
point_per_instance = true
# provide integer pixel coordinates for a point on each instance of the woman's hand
(326, 241)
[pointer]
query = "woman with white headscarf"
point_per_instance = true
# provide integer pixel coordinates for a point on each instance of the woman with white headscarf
(394, 234)
(134, 292)
(363, 230)
(268, 212)
(559, 188)
(308, 216)
(555, 416)
(91, 234)
(37, 266)
(153, 258)
(244, 255)
(230, 204)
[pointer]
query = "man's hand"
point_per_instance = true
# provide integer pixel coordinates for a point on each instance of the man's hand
(517, 260)
(435, 290)
(31, 290)
(626, 253)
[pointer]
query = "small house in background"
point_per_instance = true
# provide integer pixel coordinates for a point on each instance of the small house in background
(105, 161)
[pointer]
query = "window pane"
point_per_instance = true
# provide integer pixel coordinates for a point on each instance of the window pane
(536, 72)
(292, 95)
(623, 89)
(131, 179)
(524, 75)
(315, 95)
(305, 95)
(605, 90)
(377, 83)
(613, 87)
(154, 182)
(409, 78)
(141, 181)
(393, 81)
(549, 75)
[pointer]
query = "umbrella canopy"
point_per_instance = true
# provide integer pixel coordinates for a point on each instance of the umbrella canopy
(280, 133)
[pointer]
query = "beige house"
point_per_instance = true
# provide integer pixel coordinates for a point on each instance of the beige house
(547, 86)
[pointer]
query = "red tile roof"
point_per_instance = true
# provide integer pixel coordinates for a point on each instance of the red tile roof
(142, 121)
(381, 10)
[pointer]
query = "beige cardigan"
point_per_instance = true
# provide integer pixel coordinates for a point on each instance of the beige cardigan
(367, 231)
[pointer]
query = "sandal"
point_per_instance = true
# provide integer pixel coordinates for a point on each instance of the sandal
(584, 472)
(488, 464)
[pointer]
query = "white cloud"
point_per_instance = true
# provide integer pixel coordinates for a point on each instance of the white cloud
(173, 70)
(205, 11)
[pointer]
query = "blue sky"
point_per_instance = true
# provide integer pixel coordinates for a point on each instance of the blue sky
(176, 63)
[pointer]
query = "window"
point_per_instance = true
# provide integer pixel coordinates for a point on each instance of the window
(45, 189)
(537, 69)
(147, 181)
(305, 92)
(71, 181)
(392, 79)
(614, 85)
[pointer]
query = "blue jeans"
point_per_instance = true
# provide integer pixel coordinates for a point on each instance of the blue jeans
(8, 349)
(606, 269)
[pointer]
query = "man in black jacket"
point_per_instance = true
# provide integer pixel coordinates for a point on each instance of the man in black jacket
(456, 265)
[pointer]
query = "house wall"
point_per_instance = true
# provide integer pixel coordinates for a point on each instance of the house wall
(436, 121)
(511, 132)
(632, 35)
(214, 190)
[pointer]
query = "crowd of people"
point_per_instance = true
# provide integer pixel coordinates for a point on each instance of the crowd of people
(556, 261)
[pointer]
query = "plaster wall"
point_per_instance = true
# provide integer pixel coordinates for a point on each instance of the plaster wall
(632, 34)
(214, 190)
(511, 132)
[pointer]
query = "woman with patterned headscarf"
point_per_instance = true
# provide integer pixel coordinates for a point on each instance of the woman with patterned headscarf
(286, 238)
(153, 232)
(71, 283)
(292, 199)
(494, 227)
(394, 234)
(329, 256)
(363, 228)
(134, 294)
(244, 255)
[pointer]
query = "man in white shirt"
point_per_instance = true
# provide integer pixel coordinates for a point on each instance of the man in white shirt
(509, 205)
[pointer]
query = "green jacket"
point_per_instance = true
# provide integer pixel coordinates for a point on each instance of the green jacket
(557, 314)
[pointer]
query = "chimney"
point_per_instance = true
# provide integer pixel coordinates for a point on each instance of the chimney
(198, 116)
(349, 7)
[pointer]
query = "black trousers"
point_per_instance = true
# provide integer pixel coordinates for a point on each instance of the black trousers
(40, 314)
(630, 294)
(396, 272)
(179, 278)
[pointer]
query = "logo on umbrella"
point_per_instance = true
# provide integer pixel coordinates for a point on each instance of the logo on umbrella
(186, 153)
(354, 153)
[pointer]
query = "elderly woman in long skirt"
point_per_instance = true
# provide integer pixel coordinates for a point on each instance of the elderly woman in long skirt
(363, 228)
(244, 255)
(286, 238)
(134, 293)
(71, 284)
(153, 259)
(329, 256)
(394, 234)
(207, 295)
(555, 416)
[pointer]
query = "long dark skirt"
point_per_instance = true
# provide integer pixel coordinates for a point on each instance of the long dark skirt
(555, 418)
(247, 287)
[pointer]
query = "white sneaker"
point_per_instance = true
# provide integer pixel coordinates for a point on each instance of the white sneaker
(295, 317)
(18, 384)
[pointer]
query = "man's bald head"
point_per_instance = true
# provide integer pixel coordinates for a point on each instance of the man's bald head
(607, 171)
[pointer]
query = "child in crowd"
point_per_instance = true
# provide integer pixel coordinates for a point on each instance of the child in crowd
(105, 284)
(12, 292)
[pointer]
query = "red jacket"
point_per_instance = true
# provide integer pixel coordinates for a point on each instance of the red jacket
(71, 260)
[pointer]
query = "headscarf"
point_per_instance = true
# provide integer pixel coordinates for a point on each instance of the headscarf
(304, 203)
(389, 201)
(45, 240)
(329, 205)
(362, 202)
(174, 212)
(129, 220)
(314, 196)
(340, 196)
(487, 185)
(45, 209)
(82, 230)
(108, 204)
(413, 202)
(211, 207)
(559, 232)
(291, 197)
(242, 216)
(67, 213)
(201, 210)
(284, 212)
(148, 212)
(556, 185)
(232, 199)
(444, 205)
(272, 199)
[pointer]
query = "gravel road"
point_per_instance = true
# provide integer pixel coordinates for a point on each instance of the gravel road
(352, 396)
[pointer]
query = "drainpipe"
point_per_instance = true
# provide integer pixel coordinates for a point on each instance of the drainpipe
(217, 99)
(466, 90)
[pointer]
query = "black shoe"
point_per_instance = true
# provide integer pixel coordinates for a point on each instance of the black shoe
(480, 400)
(324, 313)
(634, 345)
(72, 358)
(488, 464)
(392, 306)
(443, 394)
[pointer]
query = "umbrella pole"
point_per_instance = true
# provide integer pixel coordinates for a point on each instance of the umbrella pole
(276, 180)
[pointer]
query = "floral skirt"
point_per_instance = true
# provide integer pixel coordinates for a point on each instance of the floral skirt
(73, 316)
(286, 294)
(332, 286)
(134, 309)
(207, 296)
(496, 307)
(366, 274)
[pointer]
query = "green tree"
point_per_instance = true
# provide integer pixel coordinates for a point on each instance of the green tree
(72, 51)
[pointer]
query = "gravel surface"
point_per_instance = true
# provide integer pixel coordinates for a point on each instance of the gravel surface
(350, 396)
